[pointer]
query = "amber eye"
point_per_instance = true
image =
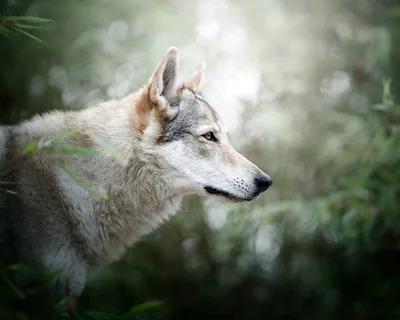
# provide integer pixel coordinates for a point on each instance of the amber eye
(210, 136)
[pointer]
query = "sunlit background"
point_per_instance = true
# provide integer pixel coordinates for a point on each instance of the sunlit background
(298, 84)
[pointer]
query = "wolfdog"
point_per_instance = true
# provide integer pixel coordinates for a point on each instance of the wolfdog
(172, 143)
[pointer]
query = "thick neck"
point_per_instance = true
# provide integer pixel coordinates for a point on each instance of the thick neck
(139, 202)
(139, 190)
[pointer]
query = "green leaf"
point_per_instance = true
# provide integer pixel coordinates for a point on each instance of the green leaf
(64, 134)
(26, 26)
(7, 182)
(386, 88)
(50, 276)
(43, 276)
(25, 269)
(50, 145)
(60, 148)
(143, 307)
(108, 147)
(28, 35)
(75, 173)
(8, 191)
(82, 180)
(5, 34)
(31, 146)
(5, 31)
(27, 19)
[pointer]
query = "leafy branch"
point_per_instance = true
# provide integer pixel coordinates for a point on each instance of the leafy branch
(54, 145)
(11, 291)
(11, 25)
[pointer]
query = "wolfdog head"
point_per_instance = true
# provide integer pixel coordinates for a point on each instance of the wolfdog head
(187, 136)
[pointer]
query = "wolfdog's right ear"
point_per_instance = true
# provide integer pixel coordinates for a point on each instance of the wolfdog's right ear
(162, 82)
(152, 108)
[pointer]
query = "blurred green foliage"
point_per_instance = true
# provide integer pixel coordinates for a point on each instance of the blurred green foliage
(323, 122)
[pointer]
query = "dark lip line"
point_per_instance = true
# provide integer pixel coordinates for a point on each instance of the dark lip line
(217, 192)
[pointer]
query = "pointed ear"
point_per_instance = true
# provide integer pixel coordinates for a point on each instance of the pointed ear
(195, 81)
(162, 82)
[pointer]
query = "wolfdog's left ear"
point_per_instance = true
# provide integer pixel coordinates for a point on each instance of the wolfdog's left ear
(163, 80)
(195, 80)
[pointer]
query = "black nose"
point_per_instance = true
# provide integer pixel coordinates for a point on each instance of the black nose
(263, 182)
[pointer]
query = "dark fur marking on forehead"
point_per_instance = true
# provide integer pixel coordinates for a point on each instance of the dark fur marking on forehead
(186, 118)
(199, 96)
